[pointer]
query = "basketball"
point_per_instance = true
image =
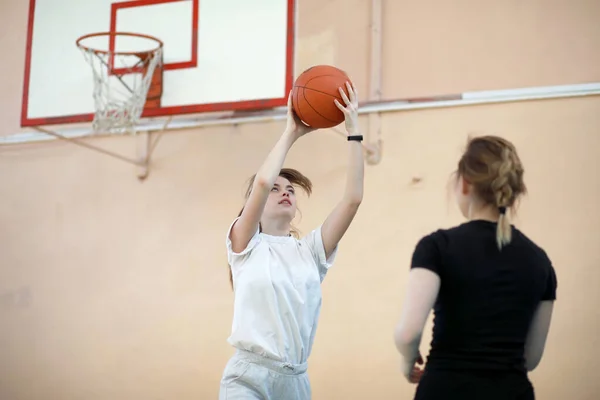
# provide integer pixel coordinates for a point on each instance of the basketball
(313, 94)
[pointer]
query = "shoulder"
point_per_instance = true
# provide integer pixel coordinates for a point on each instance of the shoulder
(537, 257)
(432, 249)
(440, 238)
(231, 254)
(537, 251)
(428, 251)
(314, 243)
(544, 266)
(313, 237)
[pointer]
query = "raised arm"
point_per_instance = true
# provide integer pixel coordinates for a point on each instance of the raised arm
(341, 217)
(245, 227)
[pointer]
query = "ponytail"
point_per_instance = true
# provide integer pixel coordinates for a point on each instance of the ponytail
(503, 230)
(504, 196)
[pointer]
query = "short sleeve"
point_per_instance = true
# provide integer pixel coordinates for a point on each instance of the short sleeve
(314, 240)
(427, 254)
(231, 255)
(551, 284)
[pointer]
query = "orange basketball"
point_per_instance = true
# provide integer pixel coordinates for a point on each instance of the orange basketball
(313, 94)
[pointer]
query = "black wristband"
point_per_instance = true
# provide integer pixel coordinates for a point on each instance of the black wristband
(357, 138)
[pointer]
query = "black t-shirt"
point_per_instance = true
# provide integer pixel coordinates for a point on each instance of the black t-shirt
(487, 296)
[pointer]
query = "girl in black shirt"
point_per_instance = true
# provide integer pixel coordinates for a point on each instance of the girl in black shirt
(491, 288)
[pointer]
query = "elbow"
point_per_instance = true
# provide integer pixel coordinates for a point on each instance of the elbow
(530, 367)
(354, 201)
(531, 364)
(405, 339)
(534, 351)
(262, 183)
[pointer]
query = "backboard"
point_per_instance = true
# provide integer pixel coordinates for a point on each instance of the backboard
(219, 55)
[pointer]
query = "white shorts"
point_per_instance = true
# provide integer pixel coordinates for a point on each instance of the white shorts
(249, 376)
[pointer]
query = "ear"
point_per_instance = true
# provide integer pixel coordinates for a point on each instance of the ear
(465, 187)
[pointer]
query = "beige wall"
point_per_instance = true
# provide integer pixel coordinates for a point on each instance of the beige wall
(115, 289)
(125, 283)
(437, 47)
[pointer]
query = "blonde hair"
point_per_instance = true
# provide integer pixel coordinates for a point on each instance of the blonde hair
(296, 178)
(491, 164)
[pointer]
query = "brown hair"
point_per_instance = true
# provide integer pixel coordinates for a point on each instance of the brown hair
(296, 178)
(491, 164)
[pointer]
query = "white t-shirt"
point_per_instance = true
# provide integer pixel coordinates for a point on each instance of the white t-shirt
(277, 282)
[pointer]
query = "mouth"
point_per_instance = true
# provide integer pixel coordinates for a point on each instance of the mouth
(289, 203)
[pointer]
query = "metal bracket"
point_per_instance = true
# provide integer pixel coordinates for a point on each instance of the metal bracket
(145, 148)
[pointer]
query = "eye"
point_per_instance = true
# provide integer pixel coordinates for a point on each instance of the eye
(274, 189)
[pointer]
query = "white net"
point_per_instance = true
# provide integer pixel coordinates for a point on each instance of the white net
(122, 68)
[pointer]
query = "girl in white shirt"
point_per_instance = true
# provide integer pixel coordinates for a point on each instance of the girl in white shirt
(277, 276)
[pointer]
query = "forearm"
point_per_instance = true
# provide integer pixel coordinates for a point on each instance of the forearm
(341, 217)
(356, 172)
(271, 167)
(407, 343)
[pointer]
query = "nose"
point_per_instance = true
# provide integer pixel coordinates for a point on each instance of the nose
(286, 194)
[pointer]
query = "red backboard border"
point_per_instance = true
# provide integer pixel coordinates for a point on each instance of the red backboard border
(164, 111)
(114, 12)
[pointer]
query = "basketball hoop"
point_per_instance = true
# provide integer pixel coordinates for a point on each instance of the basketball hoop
(127, 70)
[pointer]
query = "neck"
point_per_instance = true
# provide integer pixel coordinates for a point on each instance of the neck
(276, 227)
(486, 213)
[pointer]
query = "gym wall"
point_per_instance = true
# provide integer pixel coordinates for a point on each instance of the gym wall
(115, 289)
